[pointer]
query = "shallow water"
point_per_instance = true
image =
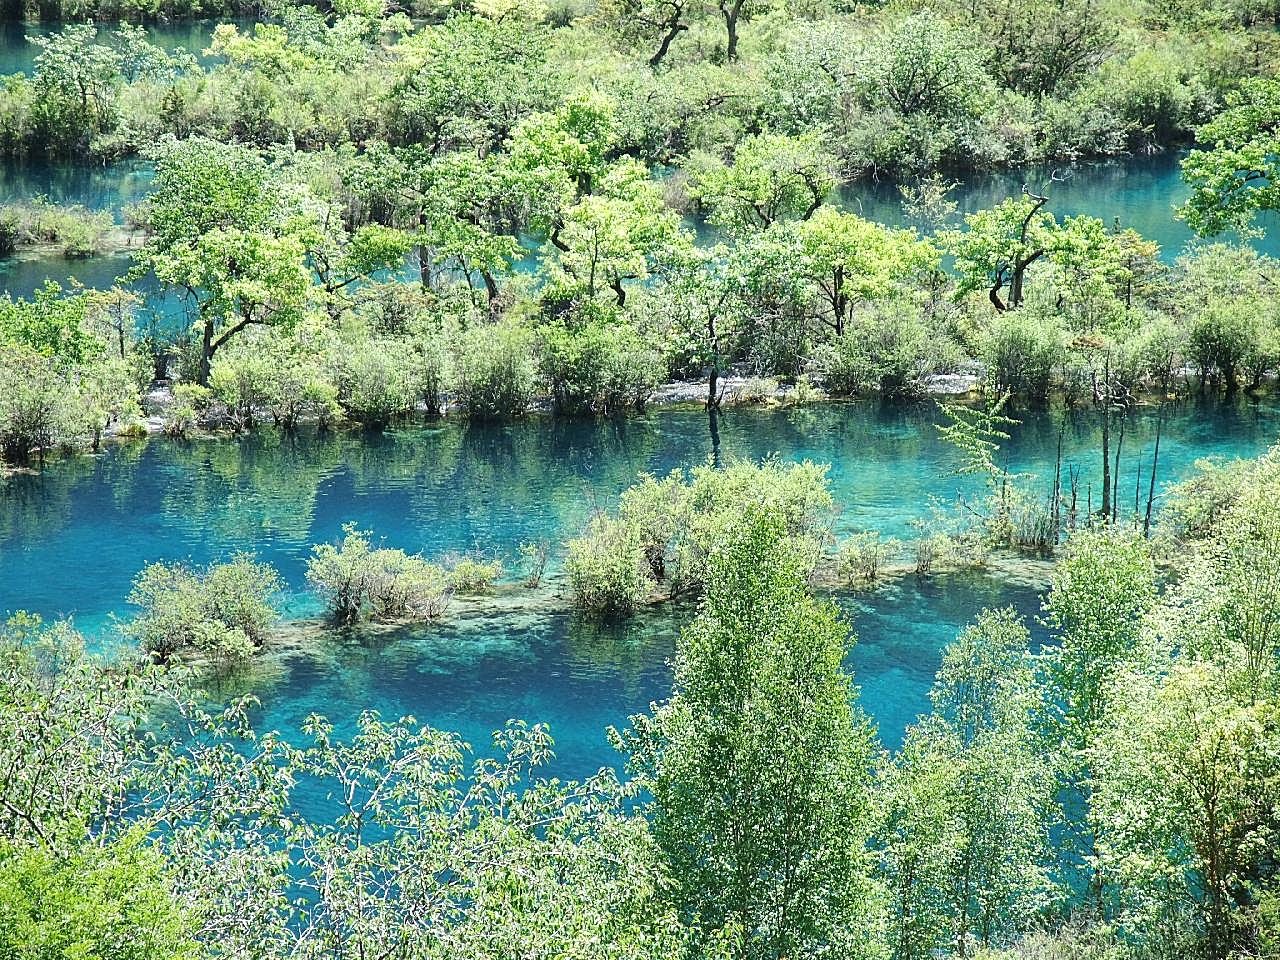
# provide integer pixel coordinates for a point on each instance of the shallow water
(73, 536)
(17, 54)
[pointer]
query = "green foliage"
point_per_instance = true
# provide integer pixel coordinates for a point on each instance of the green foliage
(925, 81)
(76, 231)
(417, 848)
(69, 731)
(373, 379)
(39, 409)
(964, 833)
(607, 570)
(1237, 176)
(111, 903)
(759, 764)
(1024, 349)
(976, 433)
(224, 611)
(597, 368)
(1186, 778)
(493, 371)
(674, 525)
(190, 401)
(862, 557)
(51, 324)
(359, 581)
(226, 231)
(474, 574)
(772, 178)
(1102, 591)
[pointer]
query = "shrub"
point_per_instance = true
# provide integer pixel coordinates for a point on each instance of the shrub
(494, 372)
(374, 379)
(598, 368)
(755, 390)
(1221, 339)
(1021, 348)
(533, 561)
(95, 901)
(76, 231)
(10, 232)
(886, 348)
(433, 371)
(607, 570)
(238, 383)
(224, 610)
(671, 526)
(359, 581)
(190, 400)
(862, 557)
(39, 405)
(273, 375)
(473, 575)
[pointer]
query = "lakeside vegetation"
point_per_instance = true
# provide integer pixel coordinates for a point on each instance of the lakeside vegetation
(375, 215)
(1113, 793)
(502, 223)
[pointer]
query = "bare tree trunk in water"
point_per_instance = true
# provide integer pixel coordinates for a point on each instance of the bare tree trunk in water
(1151, 489)
(1115, 481)
(1106, 457)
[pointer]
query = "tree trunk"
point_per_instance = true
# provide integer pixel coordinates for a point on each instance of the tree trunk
(675, 29)
(731, 10)
(206, 353)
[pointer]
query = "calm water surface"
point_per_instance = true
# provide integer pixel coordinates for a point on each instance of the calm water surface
(73, 537)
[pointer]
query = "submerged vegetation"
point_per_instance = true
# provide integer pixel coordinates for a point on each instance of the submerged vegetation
(363, 215)
(1113, 792)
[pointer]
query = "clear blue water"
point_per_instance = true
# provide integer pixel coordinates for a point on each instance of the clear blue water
(17, 55)
(73, 536)
(1137, 192)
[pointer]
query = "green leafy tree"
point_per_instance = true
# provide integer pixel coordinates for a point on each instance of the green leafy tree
(51, 324)
(618, 234)
(966, 841)
(850, 261)
(998, 247)
(654, 24)
(79, 79)
(1187, 778)
(925, 94)
(1103, 590)
(759, 764)
(226, 230)
(1239, 175)
(467, 82)
(772, 178)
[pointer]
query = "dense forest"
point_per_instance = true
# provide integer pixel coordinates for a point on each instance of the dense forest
(367, 219)
(586, 219)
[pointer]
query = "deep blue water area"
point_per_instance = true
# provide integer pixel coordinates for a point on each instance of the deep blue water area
(73, 536)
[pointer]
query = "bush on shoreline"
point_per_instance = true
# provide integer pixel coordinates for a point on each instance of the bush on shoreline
(361, 582)
(223, 611)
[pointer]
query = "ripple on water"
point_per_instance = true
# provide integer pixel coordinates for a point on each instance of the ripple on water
(72, 538)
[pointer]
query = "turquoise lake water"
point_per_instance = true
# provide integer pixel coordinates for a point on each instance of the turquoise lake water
(73, 537)
(17, 54)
